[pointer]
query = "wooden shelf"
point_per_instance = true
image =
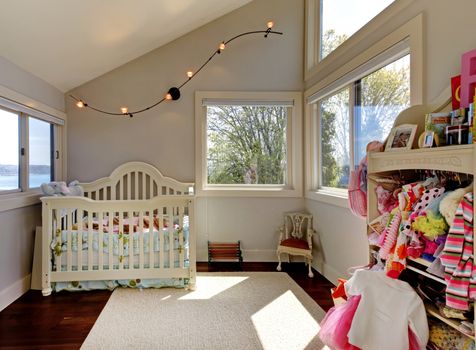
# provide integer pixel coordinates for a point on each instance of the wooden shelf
(420, 261)
(450, 158)
(433, 311)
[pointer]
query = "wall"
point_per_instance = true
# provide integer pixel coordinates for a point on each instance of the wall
(164, 136)
(17, 226)
(447, 34)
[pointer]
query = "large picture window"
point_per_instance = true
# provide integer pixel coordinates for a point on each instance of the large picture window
(248, 143)
(371, 104)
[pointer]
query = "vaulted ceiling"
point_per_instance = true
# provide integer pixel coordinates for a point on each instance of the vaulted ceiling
(69, 42)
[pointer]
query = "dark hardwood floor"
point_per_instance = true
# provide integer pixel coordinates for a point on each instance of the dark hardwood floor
(63, 320)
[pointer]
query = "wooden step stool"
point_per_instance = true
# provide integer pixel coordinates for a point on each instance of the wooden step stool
(221, 251)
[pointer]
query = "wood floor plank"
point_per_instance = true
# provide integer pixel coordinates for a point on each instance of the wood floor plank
(63, 320)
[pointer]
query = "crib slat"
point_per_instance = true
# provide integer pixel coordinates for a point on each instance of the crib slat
(113, 192)
(161, 238)
(143, 194)
(79, 223)
(121, 240)
(100, 241)
(110, 245)
(181, 233)
(141, 239)
(136, 185)
(90, 240)
(151, 241)
(170, 229)
(120, 189)
(151, 186)
(69, 238)
(131, 240)
(129, 175)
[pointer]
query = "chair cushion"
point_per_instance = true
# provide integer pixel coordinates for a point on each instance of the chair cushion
(295, 243)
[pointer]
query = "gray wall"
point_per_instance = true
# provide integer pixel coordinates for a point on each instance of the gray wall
(448, 33)
(17, 226)
(164, 136)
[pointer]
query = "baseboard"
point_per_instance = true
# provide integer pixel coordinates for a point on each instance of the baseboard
(259, 255)
(328, 272)
(12, 293)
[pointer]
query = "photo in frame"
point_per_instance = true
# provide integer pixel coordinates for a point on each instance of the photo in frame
(428, 139)
(401, 137)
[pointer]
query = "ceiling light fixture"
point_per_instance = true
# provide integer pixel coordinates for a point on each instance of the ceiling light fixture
(174, 92)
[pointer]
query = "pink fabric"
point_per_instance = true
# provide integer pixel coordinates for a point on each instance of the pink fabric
(413, 341)
(336, 324)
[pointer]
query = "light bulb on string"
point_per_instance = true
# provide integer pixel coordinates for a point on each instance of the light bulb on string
(174, 92)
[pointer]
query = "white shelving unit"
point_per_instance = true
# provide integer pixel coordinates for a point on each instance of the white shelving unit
(460, 159)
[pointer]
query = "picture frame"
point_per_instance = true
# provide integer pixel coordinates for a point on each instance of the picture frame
(401, 137)
(428, 139)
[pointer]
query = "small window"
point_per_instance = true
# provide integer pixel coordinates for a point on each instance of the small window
(340, 19)
(10, 151)
(248, 144)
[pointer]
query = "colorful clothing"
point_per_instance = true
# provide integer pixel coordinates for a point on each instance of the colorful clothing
(457, 257)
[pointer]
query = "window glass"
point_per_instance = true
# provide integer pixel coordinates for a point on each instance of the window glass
(380, 97)
(40, 147)
(335, 151)
(247, 144)
(342, 18)
(9, 154)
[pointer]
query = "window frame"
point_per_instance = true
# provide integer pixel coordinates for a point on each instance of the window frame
(410, 35)
(20, 105)
(294, 178)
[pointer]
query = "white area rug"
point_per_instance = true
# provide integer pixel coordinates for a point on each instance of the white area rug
(234, 310)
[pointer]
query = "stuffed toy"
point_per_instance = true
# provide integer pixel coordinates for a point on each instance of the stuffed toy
(450, 203)
(59, 188)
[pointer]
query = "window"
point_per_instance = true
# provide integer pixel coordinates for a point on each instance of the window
(357, 102)
(28, 155)
(342, 18)
(371, 105)
(248, 143)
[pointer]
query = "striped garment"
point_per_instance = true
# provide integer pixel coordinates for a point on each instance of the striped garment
(457, 257)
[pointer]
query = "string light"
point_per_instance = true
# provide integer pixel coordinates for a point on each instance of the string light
(174, 92)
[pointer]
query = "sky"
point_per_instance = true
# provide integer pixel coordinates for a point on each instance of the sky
(348, 16)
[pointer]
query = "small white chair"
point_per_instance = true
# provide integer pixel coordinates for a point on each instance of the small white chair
(295, 238)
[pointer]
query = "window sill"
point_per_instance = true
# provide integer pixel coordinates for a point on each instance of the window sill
(19, 200)
(244, 191)
(337, 198)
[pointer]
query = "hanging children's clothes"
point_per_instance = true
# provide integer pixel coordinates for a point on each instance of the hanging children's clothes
(387, 308)
(457, 257)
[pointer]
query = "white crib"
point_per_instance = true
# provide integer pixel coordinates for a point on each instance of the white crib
(134, 224)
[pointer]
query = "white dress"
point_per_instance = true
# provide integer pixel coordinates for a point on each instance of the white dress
(387, 308)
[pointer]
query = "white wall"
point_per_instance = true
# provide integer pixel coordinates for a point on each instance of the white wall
(448, 33)
(17, 226)
(164, 136)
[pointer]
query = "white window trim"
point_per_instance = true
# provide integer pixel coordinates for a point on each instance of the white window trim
(294, 186)
(412, 31)
(312, 64)
(13, 100)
